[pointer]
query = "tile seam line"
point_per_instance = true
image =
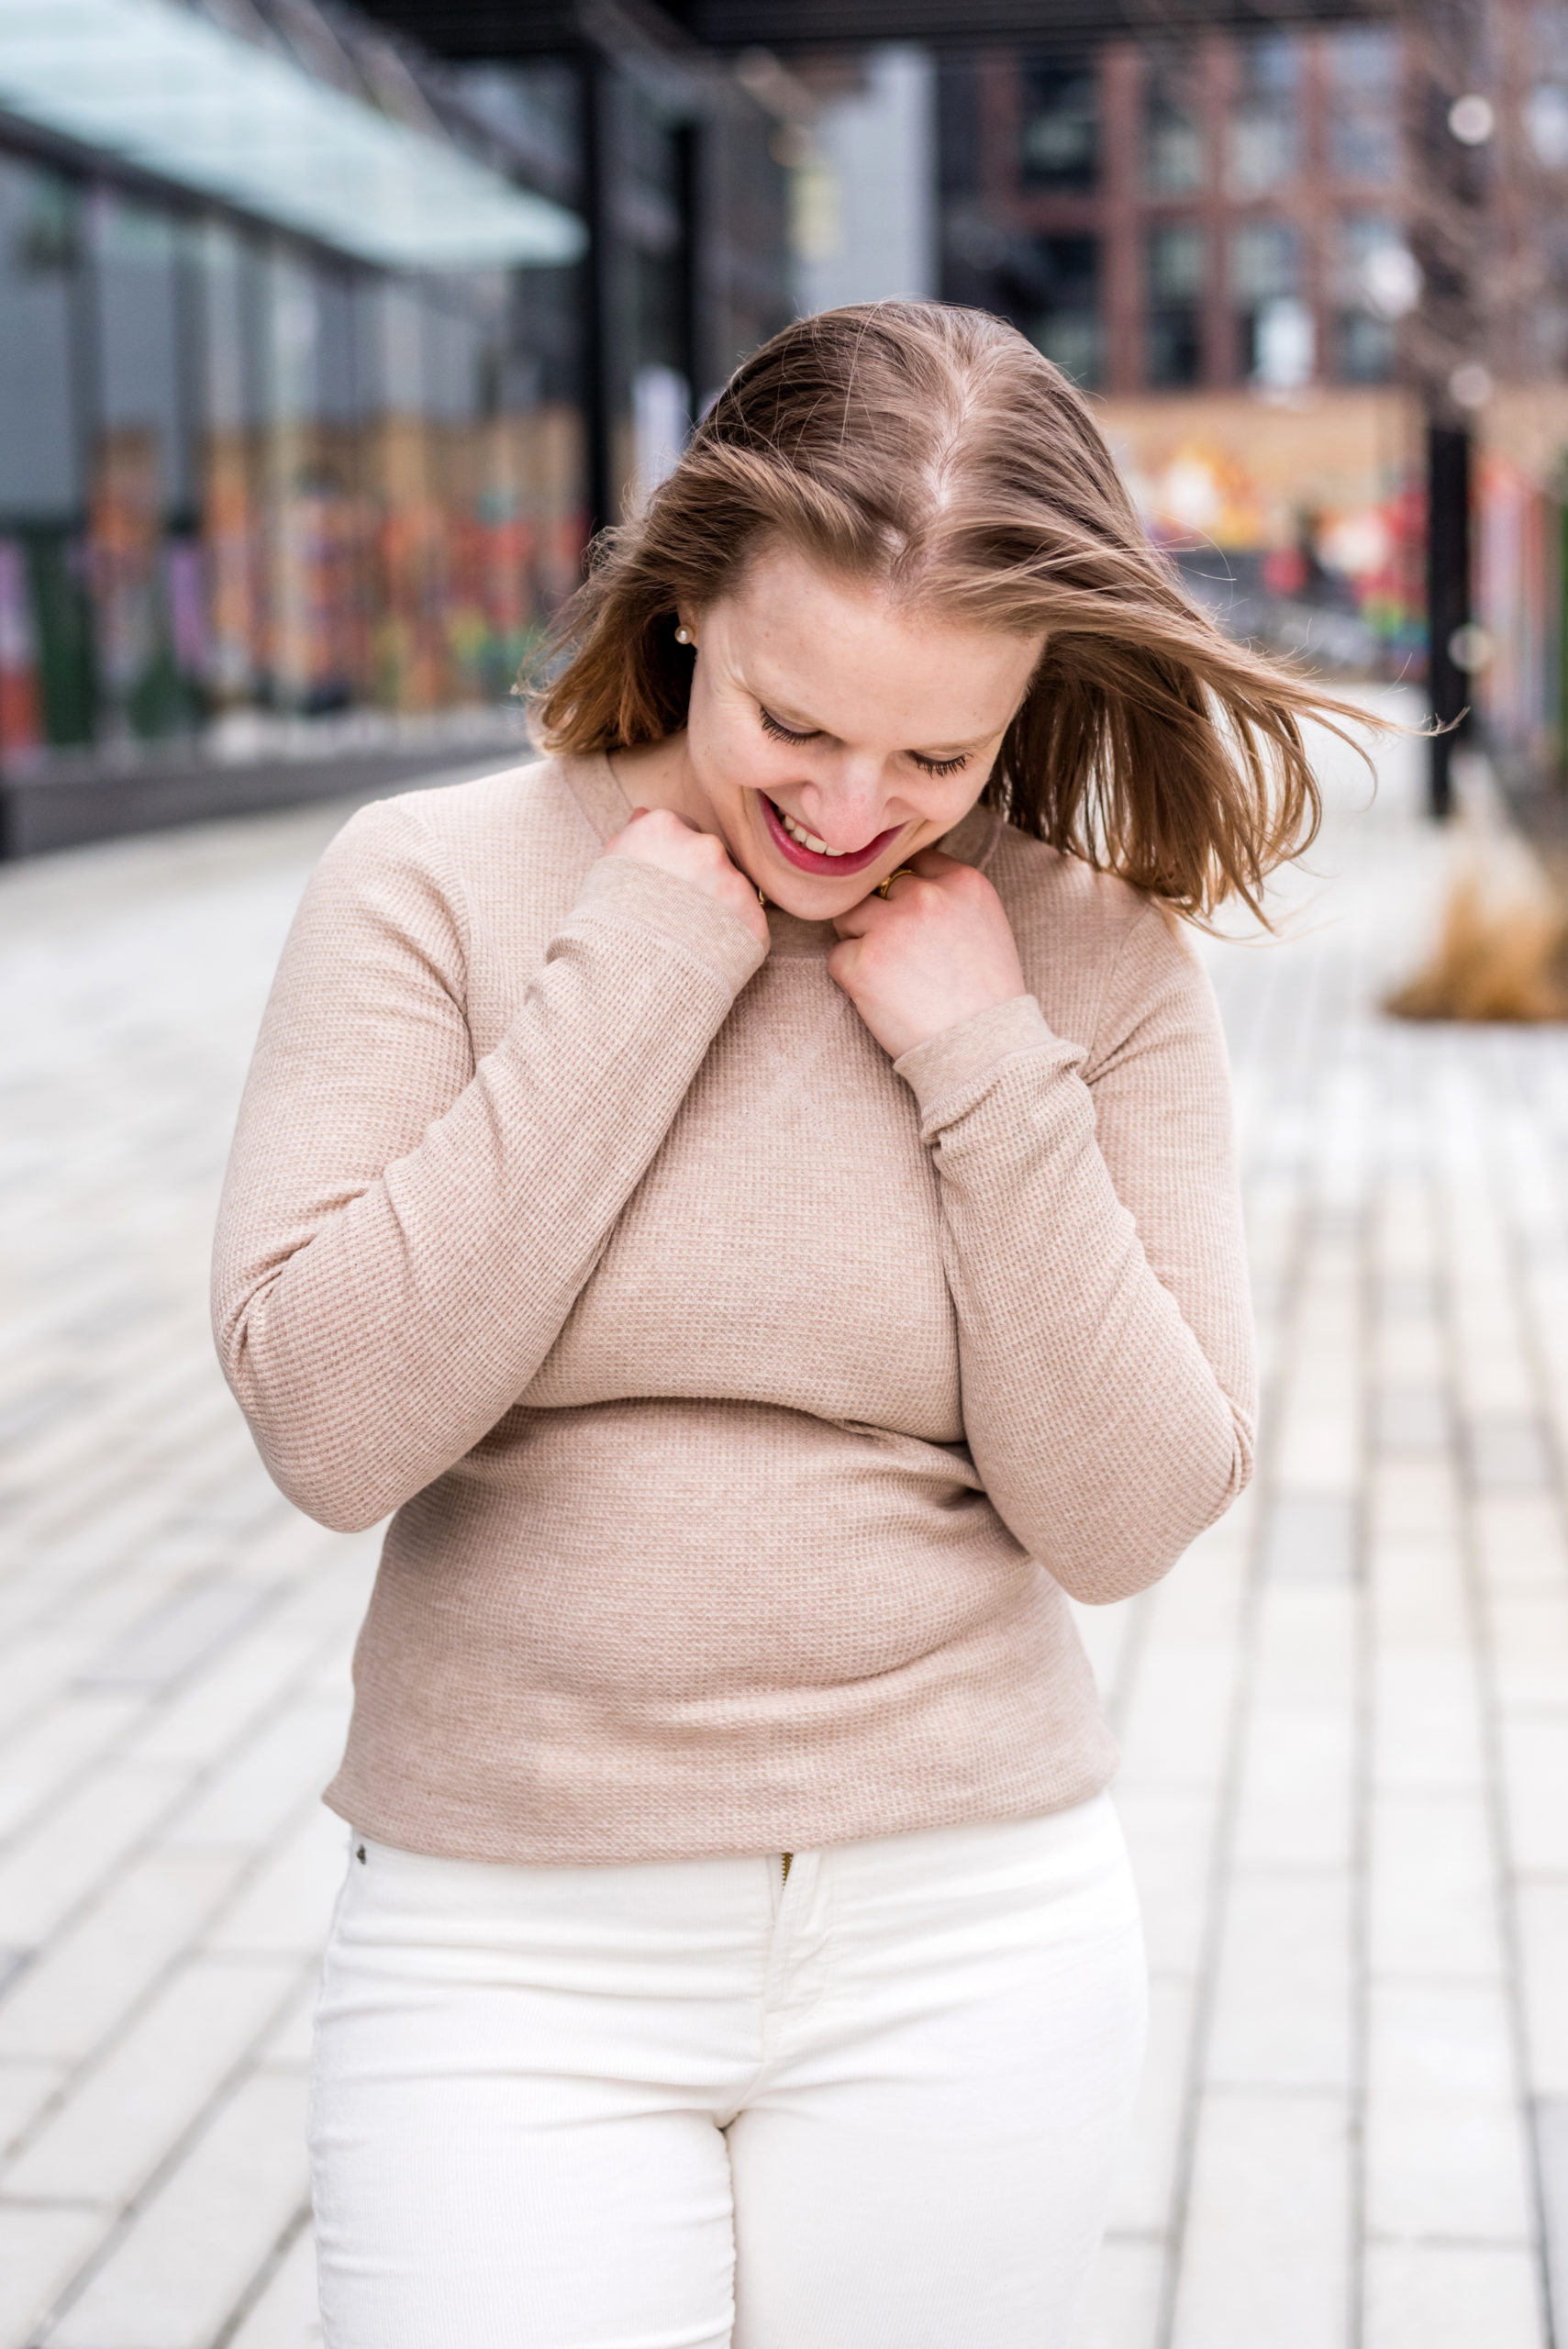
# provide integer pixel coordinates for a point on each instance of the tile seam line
(249, 2065)
(1227, 1809)
(1505, 1874)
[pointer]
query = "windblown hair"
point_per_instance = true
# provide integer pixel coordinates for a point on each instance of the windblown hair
(933, 450)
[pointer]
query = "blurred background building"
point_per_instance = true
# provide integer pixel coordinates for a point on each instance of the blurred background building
(319, 360)
(328, 337)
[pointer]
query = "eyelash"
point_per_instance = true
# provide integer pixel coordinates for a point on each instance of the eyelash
(928, 766)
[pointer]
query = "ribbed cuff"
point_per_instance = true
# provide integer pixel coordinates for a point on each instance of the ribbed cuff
(626, 889)
(944, 1072)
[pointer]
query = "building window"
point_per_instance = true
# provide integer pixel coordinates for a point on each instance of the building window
(1172, 128)
(1064, 317)
(1059, 126)
(1372, 264)
(1175, 270)
(1274, 323)
(1263, 147)
(1363, 105)
(46, 669)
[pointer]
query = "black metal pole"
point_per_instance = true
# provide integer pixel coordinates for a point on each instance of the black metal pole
(1448, 599)
(598, 330)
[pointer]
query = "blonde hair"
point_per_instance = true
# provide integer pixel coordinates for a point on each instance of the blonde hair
(935, 450)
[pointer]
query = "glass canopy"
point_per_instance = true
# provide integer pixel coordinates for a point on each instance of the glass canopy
(170, 90)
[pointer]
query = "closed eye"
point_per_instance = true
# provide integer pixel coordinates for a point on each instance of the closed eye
(781, 733)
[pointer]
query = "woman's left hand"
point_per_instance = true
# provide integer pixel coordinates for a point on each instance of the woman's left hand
(938, 949)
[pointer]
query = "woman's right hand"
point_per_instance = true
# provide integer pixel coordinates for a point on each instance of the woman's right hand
(657, 836)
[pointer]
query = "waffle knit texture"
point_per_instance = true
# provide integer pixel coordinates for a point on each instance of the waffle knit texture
(745, 1401)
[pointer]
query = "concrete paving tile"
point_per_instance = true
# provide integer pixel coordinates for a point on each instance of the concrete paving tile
(1509, 1454)
(1320, 1451)
(1552, 2156)
(1432, 1887)
(190, 1626)
(287, 2312)
(1522, 1543)
(286, 1907)
(1419, 1605)
(1446, 2296)
(25, 2088)
(1541, 1911)
(1176, 1728)
(34, 1667)
(1434, 2040)
(1311, 1537)
(1530, 1648)
(89, 1976)
(1106, 1632)
(221, 1705)
(1411, 1418)
(287, 2042)
(186, 2262)
(1535, 1778)
(1410, 1497)
(41, 1761)
(1142, 2201)
(1265, 2258)
(80, 1846)
(1200, 1602)
(40, 2251)
(1295, 1806)
(1123, 2307)
(1170, 1838)
(1283, 1991)
(289, 1759)
(1410, 1358)
(1426, 1722)
(129, 2109)
(1447, 2167)
(1305, 1652)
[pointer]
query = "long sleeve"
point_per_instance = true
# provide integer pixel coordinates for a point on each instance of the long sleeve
(1096, 1257)
(404, 1231)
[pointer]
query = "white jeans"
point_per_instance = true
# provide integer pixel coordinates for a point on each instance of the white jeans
(681, 2105)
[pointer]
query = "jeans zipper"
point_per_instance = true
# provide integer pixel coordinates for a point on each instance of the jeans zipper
(786, 1857)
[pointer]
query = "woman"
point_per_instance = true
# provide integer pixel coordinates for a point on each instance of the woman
(753, 1195)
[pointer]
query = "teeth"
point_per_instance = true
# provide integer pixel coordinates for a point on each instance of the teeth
(807, 839)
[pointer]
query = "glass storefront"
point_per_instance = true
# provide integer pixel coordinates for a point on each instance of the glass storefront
(246, 483)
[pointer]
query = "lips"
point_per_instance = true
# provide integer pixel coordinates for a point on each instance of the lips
(805, 860)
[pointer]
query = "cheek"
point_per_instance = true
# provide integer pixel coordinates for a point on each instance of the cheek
(729, 751)
(949, 802)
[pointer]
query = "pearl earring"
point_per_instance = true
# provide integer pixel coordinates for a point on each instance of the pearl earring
(683, 636)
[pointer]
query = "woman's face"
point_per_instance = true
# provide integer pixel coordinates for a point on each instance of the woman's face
(833, 732)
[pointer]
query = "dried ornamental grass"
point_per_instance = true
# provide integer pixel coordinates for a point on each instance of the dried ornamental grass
(1496, 958)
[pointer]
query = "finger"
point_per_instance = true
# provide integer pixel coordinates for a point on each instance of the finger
(930, 864)
(857, 920)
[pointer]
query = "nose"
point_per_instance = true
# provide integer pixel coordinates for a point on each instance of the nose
(849, 810)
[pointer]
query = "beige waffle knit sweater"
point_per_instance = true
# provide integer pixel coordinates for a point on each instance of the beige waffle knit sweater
(746, 1401)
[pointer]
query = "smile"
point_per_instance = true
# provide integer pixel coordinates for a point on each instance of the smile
(809, 854)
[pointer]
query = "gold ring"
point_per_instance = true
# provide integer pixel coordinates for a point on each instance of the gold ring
(903, 873)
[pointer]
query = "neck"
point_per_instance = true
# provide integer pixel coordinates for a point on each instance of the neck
(659, 774)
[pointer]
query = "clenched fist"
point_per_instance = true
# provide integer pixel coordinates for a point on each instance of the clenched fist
(938, 949)
(656, 836)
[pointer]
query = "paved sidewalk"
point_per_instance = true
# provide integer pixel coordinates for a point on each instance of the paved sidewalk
(1345, 1718)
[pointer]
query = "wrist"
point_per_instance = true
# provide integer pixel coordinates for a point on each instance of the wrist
(967, 1047)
